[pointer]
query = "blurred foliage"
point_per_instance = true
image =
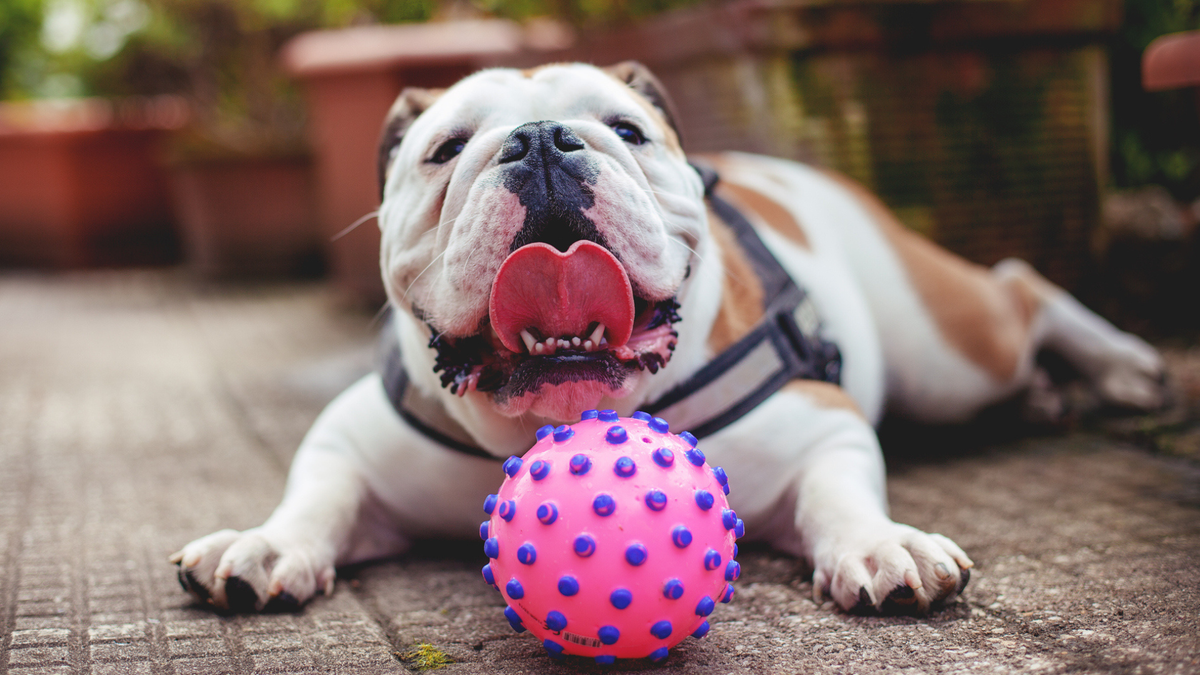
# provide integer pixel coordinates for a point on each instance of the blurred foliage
(222, 55)
(1156, 135)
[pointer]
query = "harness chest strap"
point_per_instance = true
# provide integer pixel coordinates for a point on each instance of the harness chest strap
(786, 344)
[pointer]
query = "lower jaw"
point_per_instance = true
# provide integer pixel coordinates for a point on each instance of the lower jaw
(563, 402)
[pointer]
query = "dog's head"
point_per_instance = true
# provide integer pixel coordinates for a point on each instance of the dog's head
(541, 223)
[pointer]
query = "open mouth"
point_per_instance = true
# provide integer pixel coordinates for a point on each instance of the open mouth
(557, 318)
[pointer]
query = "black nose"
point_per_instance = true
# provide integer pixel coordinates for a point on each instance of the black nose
(543, 142)
(543, 165)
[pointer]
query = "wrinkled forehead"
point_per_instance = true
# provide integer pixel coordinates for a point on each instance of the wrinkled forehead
(500, 97)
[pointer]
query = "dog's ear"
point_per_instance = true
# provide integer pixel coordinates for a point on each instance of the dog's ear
(640, 79)
(407, 108)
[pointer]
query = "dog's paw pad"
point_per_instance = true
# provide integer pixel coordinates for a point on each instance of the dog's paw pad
(240, 596)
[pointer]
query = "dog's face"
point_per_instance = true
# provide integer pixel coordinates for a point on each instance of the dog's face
(541, 223)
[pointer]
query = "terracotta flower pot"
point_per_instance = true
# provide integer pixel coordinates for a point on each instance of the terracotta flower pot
(350, 78)
(247, 216)
(81, 183)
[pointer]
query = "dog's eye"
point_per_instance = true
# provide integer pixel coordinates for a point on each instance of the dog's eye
(629, 133)
(448, 150)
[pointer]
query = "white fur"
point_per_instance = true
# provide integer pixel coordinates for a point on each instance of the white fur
(809, 479)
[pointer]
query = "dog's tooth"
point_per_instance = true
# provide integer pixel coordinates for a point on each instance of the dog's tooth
(528, 340)
(563, 344)
(538, 348)
(551, 345)
(576, 341)
(588, 346)
(597, 335)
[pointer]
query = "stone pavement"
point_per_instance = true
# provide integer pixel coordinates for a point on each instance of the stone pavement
(139, 410)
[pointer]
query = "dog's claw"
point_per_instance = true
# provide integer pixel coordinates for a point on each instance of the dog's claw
(864, 605)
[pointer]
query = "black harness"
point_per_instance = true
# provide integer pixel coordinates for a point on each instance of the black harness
(785, 345)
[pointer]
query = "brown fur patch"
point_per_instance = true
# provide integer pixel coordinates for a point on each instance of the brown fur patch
(983, 317)
(824, 395)
(773, 214)
(741, 291)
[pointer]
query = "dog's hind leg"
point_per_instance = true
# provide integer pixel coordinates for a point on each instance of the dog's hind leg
(1123, 368)
(958, 336)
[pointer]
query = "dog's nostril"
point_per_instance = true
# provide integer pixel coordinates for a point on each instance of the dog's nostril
(515, 148)
(566, 140)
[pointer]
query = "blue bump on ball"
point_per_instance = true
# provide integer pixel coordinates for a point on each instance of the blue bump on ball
(604, 504)
(695, 457)
(580, 464)
(563, 433)
(488, 576)
(483, 529)
(625, 467)
(733, 570)
(512, 465)
(712, 559)
(544, 431)
(608, 416)
(728, 518)
(547, 512)
(673, 589)
(735, 550)
(659, 654)
(688, 438)
(635, 554)
(585, 545)
(539, 469)
(589, 415)
(701, 631)
(661, 630)
(555, 620)
(606, 659)
(705, 606)
(508, 509)
(656, 500)
(728, 594)
(609, 634)
(681, 536)
(514, 619)
(489, 503)
(515, 590)
(491, 547)
(620, 598)
(725, 489)
(660, 425)
(664, 457)
(527, 554)
(719, 473)
(616, 435)
(641, 415)
(568, 585)
(739, 529)
(554, 649)
(704, 499)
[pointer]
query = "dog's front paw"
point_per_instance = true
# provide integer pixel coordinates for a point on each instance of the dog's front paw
(893, 569)
(252, 570)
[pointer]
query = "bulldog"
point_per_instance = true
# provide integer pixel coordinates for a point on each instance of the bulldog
(548, 248)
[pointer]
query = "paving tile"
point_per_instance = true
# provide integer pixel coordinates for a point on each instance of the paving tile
(138, 411)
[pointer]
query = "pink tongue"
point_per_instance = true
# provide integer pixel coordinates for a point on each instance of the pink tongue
(561, 294)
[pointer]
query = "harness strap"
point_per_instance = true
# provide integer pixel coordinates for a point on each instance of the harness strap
(785, 345)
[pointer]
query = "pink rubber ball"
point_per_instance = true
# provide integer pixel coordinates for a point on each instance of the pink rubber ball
(611, 538)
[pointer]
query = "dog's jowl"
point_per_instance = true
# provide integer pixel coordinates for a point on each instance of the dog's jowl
(548, 248)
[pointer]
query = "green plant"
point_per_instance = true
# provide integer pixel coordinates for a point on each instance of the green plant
(1156, 135)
